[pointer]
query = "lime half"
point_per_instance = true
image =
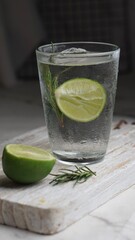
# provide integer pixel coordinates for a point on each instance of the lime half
(81, 99)
(26, 164)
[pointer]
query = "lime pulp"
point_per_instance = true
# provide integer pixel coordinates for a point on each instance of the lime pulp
(81, 99)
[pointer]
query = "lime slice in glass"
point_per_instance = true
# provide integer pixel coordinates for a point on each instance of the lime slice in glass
(26, 164)
(81, 99)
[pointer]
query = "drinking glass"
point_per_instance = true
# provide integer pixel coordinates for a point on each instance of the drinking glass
(78, 82)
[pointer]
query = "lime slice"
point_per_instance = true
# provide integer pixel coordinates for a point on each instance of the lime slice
(26, 164)
(81, 99)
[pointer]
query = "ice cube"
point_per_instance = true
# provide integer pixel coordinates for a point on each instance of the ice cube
(63, 58)
(78, 57)
(73, 50)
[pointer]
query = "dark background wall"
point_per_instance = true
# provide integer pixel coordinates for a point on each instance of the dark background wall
(89, 20)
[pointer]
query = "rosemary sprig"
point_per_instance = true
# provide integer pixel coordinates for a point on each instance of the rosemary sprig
(51, 83)
(79, 175)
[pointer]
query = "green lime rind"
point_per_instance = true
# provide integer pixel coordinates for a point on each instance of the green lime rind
(26, 164)
(81, 99)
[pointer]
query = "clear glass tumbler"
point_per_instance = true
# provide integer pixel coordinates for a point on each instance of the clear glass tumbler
(78, 83)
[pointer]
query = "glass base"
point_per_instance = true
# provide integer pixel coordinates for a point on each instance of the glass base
(78, 159)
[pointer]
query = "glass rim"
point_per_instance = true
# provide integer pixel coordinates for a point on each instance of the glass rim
(88, 54)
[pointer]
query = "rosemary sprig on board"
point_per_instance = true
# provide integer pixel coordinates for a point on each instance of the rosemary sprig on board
(79, 175)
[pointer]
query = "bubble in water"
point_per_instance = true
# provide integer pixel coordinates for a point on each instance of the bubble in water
(83, 142)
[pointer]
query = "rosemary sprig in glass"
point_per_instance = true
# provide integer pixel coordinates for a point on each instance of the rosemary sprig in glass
(51, 83)
(79, 175)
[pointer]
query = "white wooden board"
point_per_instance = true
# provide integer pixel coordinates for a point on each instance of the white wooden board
(48, 209)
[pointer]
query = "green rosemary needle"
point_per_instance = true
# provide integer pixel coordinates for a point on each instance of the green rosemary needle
(79, 175)
(51, 83)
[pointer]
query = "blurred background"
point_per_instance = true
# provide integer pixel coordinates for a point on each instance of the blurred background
(26, 24)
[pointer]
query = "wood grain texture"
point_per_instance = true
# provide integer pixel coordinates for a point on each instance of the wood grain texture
(48, 209)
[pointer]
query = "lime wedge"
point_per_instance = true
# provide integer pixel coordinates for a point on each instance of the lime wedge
(26, 164)
(81, 99)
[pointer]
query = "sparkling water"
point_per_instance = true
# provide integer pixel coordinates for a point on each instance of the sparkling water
(73, 141)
